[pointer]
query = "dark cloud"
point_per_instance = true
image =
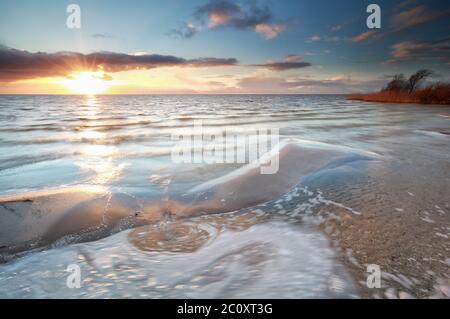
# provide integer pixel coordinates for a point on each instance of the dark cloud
(284, 66)
(224, 13)
(414, 17)
(17, 65)
(222, 8)
(413, 50)
(406, 3)
(291, 62)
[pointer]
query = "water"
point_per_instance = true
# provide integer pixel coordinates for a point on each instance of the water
(89, 180)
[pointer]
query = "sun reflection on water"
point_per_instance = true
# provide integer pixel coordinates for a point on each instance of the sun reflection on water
(97, 158)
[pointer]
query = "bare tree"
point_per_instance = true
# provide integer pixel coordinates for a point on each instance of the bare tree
(415, 79)
(397, 83)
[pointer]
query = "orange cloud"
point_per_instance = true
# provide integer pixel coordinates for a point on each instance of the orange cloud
(414, 17)
(412, 50)
(218, 18)
(364, 36)
(270, 31)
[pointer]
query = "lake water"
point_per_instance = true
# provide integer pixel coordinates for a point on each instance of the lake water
(359, 183)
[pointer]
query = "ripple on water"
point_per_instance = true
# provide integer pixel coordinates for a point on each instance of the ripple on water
(183, 236)
(163, 237)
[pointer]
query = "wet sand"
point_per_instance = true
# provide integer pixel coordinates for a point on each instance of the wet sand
(67, 215)
(403, 226)
(80, 213)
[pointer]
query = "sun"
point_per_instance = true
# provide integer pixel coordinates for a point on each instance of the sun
(89, 83)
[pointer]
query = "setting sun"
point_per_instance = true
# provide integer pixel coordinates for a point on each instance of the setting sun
(87, 82)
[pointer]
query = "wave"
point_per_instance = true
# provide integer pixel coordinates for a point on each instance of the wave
(83, 214)
(24, 160)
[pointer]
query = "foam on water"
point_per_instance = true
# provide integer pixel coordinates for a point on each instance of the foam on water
(272, 260)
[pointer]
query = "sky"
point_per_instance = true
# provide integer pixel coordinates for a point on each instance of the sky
(218, 46)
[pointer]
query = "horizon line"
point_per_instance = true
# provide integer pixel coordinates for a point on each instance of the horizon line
(166, 94)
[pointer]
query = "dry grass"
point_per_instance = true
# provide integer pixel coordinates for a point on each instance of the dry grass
(434, 94)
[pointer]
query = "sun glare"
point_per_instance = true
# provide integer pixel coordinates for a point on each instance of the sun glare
(88, 83)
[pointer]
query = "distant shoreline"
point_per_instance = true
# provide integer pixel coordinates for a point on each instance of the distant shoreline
(419, 97)
(397, 97)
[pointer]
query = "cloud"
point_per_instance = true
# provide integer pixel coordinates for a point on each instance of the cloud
(406, 3)
(270, 31)
(364, 36)
(279, 85)
(414, 17)
(102, 36)
(224, 13)
(344, 24)
(284, 66)
(258, 84)
(314, 38)
(413, 50)
(199, 84)
(216, 84)
(318, 38)
(293, 58)
(186, 31)
(291, 62)
(217, 12)
(336, 27)
(18, 65)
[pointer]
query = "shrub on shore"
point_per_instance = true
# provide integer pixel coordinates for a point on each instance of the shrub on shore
(402, 90)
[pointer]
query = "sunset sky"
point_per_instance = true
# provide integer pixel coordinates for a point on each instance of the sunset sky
(205, 46)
